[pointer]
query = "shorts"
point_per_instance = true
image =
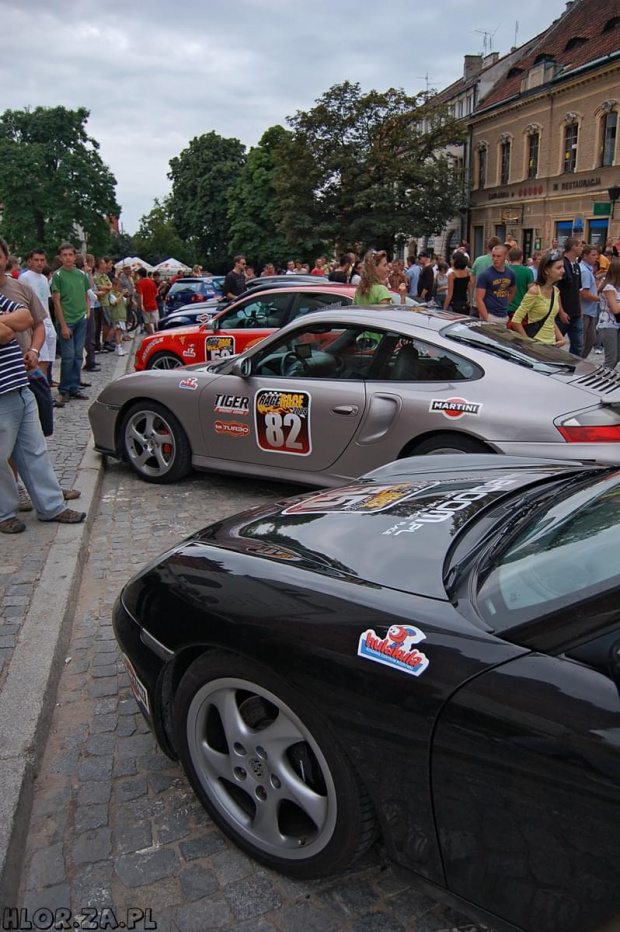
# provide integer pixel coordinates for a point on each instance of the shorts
(48, 350)
(119, 324)
(151, 317)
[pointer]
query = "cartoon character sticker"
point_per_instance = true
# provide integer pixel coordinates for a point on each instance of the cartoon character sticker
(190, 352)
(360, 498)
(282, 420)
(190, 383)
(219, 346)
(396, 649)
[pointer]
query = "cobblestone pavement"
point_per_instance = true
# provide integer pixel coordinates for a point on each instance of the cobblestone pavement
(24, 555)
(115, 823)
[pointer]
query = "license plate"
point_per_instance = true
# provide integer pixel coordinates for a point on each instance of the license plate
(137, 687)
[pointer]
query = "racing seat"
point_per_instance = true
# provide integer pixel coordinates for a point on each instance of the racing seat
(407, 365)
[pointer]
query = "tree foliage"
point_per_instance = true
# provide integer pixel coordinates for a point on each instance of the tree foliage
(253, 208)
(157, 237)
(202, 176)
(52, 177)
(358, 168)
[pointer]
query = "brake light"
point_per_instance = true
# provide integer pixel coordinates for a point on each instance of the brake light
(197, 297)
(610, 433)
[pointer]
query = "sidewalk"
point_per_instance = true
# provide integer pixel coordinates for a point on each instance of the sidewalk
(39, 577)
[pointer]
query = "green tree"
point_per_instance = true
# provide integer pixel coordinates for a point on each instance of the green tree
(52, 180)
(202, 177)
(253, 209)
(122, 245)
(157, 238)
(358, 168)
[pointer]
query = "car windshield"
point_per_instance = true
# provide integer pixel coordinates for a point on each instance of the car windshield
(569, 550)
(495, 338)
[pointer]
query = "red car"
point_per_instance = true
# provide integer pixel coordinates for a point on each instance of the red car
(250, 319)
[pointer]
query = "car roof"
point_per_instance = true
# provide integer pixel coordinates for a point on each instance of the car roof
(386, 314)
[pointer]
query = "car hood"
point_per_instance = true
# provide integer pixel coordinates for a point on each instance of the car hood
(391, 528)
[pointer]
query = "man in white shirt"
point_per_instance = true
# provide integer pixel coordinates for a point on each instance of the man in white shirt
(34, 277)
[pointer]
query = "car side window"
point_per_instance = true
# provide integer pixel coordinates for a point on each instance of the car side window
(256, 313)
(415, 361)
(323, 351)
(308, 303)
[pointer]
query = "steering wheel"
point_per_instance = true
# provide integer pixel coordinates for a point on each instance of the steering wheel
(291, 365)
(256, 316)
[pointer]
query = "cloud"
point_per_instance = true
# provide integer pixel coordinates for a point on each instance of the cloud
(154, 74)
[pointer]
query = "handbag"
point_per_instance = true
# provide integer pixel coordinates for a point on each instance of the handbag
(534, 328)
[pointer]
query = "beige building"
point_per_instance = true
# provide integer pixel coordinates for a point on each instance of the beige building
(545, 146)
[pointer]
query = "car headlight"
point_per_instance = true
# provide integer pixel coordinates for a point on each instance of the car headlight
(596, 425)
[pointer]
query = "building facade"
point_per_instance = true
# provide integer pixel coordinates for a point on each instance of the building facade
(544, 142)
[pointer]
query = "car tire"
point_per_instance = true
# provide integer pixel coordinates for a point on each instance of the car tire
(164, 361)
(154, 443)
(449, 443)
(268, 770)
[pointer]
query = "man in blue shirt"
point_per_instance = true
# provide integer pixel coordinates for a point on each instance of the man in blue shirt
(588, 296)
(413, 274)
(495, 287)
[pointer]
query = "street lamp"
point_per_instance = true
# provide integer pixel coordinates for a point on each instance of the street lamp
(614, 194)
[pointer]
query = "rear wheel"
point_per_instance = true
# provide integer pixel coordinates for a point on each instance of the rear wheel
(449, 443)
(268, 770)
(154, 443)
(164, 361)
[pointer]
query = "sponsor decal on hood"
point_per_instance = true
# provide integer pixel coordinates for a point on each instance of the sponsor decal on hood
(396, 649)
(190, 383)
(454, 408)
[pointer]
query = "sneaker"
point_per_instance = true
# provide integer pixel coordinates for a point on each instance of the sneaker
(57, 404)
(68, 516)
(119, 351)
(70, 494)
(78, 396)
(24, 500)
(598, 349)
(12, 526)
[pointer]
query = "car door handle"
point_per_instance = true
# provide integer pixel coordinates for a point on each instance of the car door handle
(345, 409)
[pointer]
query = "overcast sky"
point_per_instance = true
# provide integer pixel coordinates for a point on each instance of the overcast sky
(155, 74)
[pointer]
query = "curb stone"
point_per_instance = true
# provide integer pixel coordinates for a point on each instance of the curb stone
(29, 693)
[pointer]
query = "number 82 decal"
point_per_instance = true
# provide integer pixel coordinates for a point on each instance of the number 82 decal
(282, 419)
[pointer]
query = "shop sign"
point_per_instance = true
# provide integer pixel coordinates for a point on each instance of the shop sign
(601, 209)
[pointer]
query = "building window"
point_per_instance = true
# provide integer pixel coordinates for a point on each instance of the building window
(570, 147)
(504, 174)
(533, 143)
(609, 132)
(460, 110)
(482, 167)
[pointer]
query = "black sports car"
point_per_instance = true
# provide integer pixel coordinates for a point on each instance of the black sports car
(431, 653)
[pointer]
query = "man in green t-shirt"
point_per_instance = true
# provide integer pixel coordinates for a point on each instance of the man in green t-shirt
(523, 275)
(485, 261)
(71, 303)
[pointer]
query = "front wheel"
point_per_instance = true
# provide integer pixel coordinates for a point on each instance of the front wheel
(268, 770)
(164, 361)
(449, 443)
(154, 443)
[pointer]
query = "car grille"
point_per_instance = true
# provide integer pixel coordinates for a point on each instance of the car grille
(602, 380)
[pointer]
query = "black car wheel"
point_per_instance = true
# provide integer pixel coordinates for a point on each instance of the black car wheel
(154, 443)
(164, 361)
(449, 443)
(268, 770)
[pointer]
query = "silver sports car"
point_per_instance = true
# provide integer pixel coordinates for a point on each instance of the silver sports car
(343, 391)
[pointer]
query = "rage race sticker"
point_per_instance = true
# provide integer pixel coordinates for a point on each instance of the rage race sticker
(217, 347)
(190, 383)
(231, 428)
(454, 408)
(283, 421)
(360, 499)
(395, 649)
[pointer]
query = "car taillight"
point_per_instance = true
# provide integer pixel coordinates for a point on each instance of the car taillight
(197, 297)
(598, 425)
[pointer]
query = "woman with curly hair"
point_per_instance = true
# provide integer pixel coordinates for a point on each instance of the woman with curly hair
(373, 274)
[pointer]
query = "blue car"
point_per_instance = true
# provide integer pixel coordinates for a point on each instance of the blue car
(189, 291)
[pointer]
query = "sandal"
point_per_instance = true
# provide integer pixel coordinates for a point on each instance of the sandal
(12, 526)
(68, 516)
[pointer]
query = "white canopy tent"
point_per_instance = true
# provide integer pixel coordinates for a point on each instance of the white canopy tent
(170, 266)
(135, 262)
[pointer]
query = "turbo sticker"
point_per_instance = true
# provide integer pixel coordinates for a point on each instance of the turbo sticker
(218, 347)
(282, 419)
(231, 428)
(453, 408)
(231, 404)
(396, 649)
(360, 499)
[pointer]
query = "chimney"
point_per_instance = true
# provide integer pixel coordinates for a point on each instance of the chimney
(472, 65)
(490, 59)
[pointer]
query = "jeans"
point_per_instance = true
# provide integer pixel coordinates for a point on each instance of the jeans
(91, 338)
(574, 329)
(610, 338)
(22, 438)
(71, 352)
(589, 334)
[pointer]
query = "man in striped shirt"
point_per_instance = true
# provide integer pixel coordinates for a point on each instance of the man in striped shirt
(20, 433)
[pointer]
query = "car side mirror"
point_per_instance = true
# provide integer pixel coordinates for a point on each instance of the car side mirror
(613, 662)
(209, 325)
(241, 368)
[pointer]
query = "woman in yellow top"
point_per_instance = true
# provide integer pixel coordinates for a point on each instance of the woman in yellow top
(372, 288)
(537, 305)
